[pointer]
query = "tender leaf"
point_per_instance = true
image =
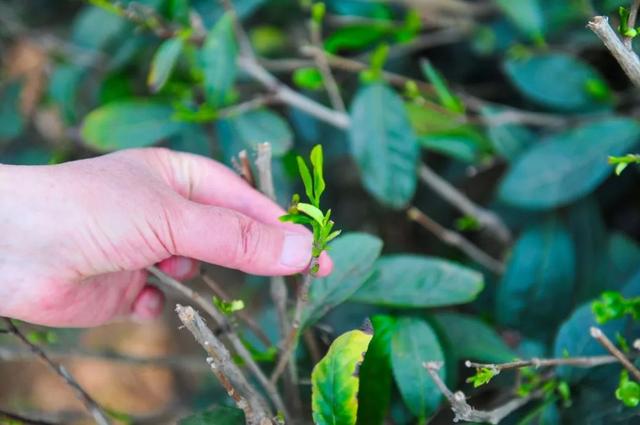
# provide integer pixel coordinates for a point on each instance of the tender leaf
(219, 61)
(413, 343)
(557, 81)
(163, 62)
(447, 99)
(412, 281)
(535, 293)
(311, 211)
(247, 130)
(527, 15)
(128, 124)
(353, 256)
(220, 415)
(472, 339)
(568, 165)
(374, 396)
(308, 78)
(355, 37)
(335, 380)
(384, 145)
(318, 173)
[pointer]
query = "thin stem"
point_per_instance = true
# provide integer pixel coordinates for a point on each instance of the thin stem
(90, 404)
(606, 343)
(464, 412)
(323, 65)
(584, 362)
(220, 319)
(447, 191)
(627, 58)
(457, 240)
(293, 336)
(631, 22)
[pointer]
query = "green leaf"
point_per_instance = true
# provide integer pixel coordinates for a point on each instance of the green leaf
(353, 257)
(535, 293)
(311, 211)
(11, 122)
(527, 15)
(589, 235)
(447, 99)
(355, 37)
(628, 391)
(335, 380)
(460, 145)
(567, 90)
(219, 60)
(472, 339)
(163, 63)
(509, 140)
(482, 377)
(412, 344)
(305, 175)
(318, 176)
(374, 396)
(128, 124)
(412, 281)
(247, 130)
(220, 415)
(63, 89)
(383, 144)
(308, 78)
(568, 165)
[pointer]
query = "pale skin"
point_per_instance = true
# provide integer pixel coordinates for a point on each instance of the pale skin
(76, 238)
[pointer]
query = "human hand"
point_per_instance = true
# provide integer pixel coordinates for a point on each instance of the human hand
(76, 238)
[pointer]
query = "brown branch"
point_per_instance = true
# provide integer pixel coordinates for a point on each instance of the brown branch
(221, 320)
(627, 58)
(631, 22)
(292, 338)
(229, 375)
(243, 167)
(448, 192)
(457, 240)
(606, 343)
(90, 404)
(464, 412)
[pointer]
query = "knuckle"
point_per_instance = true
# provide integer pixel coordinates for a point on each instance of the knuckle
(247, 246)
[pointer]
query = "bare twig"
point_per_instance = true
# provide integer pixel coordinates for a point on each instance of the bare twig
(184, 362)
(463, 411)
(447, 191)
(90, 404)
(249, 105)
(631, 22)
(220, 319)
(229, 375)
(582, 362)
(627, 58)
(323, 65)
(606, 343)
(243, 167)
(291, 341)
(457, 240)
(242, 314)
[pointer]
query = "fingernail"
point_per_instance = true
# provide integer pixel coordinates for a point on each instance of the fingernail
(296, 250)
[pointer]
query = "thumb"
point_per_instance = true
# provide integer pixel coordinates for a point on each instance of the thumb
(228, 238)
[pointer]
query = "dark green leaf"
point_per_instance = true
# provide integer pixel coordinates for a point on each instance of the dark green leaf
(192, 139)
(219, 61)
(355, 37)
(308, 78)
(567, 90)
(535, 293)
(384, 145)
(375, 374)
(509, 140)
(472, 339)
(247, 130)
(163, 62)
(11, 121)
(353, 255)
(63, 89)
(129, 124)
(411, 281)
(220, 415)
(527, 15)
(412, 344)
(568, 165)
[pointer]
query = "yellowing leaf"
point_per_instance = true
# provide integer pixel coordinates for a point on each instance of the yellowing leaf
(335, 380)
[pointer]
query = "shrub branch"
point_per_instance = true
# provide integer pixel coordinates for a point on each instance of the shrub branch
(626, 57)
